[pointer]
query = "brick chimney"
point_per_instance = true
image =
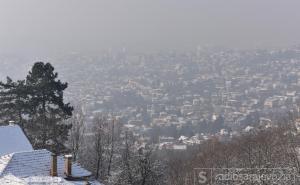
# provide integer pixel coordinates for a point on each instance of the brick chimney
(53, 166)
(68, 165)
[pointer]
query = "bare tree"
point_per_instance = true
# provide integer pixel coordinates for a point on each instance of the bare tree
(140, 165)
(100, 143)
(126, 174)
(104, 143)
(151, 170)
(113, 139)
(77, 131)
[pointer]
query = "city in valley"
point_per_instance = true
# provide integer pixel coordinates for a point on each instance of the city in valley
(179, 99)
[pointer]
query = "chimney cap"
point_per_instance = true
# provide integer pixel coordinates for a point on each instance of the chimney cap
(11, 122)
(68, 156)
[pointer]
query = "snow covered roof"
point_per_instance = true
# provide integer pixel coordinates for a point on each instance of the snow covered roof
(41, 180)
(13, 180)
(35, 163)
(10, 179)
(12, 139)
(182, 138)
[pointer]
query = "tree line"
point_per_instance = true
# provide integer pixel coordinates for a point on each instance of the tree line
(113, 153)
(271, 148)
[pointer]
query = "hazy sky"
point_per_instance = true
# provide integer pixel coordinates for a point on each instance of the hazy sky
(91, 25)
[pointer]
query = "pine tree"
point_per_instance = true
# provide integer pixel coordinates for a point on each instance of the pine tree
(47, 108)
(37, 105)
(13, 101)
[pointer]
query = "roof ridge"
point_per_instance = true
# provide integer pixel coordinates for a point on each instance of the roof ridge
(29, 151)
(14, 125)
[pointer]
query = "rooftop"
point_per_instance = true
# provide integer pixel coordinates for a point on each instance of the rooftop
(13, 140)
(36, 163)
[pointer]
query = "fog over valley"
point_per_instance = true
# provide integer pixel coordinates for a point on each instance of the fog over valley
(36, 27)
